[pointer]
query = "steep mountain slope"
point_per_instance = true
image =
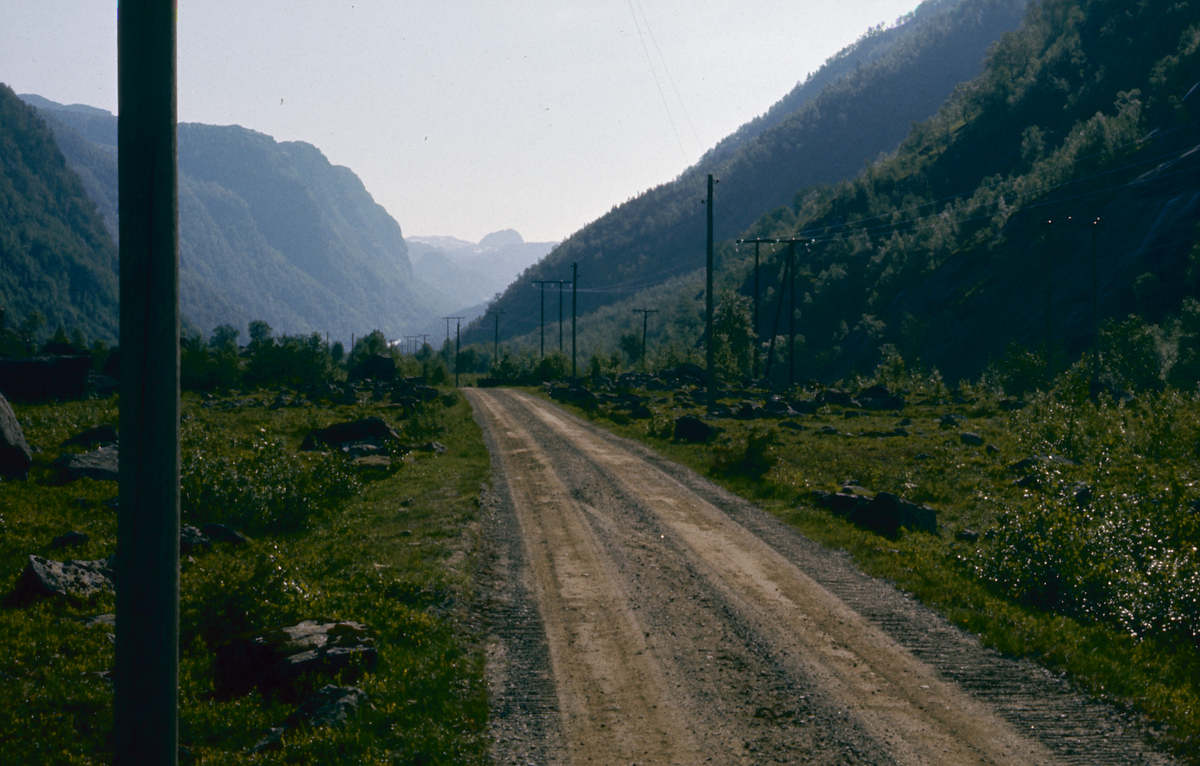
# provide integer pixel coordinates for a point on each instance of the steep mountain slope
(55, 256)
(268, 230)
(660, 234)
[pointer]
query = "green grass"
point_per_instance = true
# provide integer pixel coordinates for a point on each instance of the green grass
(392, 549)
(1107, 591)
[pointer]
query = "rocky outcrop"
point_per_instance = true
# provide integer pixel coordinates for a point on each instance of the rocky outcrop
(274, 660)
(330, 706)
(101, 464)
(15, 455)
(77, 580)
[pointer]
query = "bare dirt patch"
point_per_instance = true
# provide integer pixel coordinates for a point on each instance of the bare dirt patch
(643, 615)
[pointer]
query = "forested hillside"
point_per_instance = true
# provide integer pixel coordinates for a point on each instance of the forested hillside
(268, 230)
(55, 256)
(871, 94)
(1090, 112)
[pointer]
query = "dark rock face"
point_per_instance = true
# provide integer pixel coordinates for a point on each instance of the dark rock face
(38, 378)
(692, 429)
(368, 430)
(15, 456)
(273, 661)
(99, 464)
(65, 579)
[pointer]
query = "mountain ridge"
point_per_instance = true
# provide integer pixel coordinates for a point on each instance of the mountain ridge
(268, 230)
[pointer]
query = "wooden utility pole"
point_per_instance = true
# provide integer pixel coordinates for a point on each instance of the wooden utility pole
(560, 318)
(457, 346)
(710, 357)
(645, 321)
(448, 326)
(574, 312)
(756, 242)
(541, 283)
(146, 688)
(792, 315)
(496, 341)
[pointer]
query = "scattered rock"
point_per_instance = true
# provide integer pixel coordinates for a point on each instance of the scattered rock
(690, 428)
(370, 430)
(274, 660)
(1032, 460)
(222, 534)
(65, 579)
(967, 536)
(878, 397)
(884, 514)
(15, 455)
(837, 397)
(949, 420)
(992, 449)
(1083, 494)
(69, 540)
(92, 437)
(330, 706)
(192, 540)
(971, 439)
(884, 434)
(577, 395)
(100, 464)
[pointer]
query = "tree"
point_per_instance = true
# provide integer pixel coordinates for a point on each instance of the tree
(260, 332)
(223, 336)
(34, 322)
(734, 336)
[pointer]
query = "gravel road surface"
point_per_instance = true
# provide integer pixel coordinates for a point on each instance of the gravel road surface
(641, 615)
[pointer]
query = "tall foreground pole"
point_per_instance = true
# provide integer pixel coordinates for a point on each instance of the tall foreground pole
(146, 710)
(708, 306)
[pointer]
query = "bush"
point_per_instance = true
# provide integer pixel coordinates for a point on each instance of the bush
(257, 485)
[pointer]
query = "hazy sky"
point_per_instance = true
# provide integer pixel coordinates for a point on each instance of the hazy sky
(464, 118)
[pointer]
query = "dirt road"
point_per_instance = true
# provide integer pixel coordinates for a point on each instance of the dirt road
(644, 616)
